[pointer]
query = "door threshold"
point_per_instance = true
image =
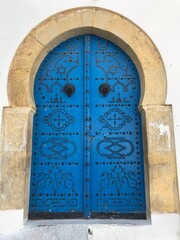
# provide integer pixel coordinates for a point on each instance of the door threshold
(50, 222)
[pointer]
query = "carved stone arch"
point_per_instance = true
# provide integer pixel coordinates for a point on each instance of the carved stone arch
(157, 124)
(71, 23)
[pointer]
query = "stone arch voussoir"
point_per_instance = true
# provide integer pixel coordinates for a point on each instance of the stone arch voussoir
(87, 20)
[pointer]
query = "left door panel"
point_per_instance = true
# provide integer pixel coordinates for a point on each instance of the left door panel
(56, 189)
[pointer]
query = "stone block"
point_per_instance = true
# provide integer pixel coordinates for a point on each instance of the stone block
(15, 156)
(161, 159)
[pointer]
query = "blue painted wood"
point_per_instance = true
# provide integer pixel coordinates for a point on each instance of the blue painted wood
(117, 179)
(57, 158)
(87, 159)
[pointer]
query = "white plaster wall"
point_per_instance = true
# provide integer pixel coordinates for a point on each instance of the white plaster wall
(160, 20)
(163, 227)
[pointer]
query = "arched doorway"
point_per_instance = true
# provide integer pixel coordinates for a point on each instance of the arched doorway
(87, 157)
(17, 122)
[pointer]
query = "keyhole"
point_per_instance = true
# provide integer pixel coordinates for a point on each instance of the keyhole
(69, 89)
(104, 89)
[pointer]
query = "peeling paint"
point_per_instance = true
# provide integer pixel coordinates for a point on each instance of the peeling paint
(164, 136)
(20, 135)
(24, 138)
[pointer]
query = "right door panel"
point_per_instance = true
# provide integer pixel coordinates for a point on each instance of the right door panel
(117, 169)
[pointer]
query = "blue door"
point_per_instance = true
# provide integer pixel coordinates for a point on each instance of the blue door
(87, 157)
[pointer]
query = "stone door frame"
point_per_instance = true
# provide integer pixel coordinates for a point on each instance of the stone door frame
(158, 136)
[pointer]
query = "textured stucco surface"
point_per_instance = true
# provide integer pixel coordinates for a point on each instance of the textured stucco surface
(161, 158)
(15, 157)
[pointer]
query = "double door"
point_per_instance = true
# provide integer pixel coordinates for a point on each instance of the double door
(87, 156)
